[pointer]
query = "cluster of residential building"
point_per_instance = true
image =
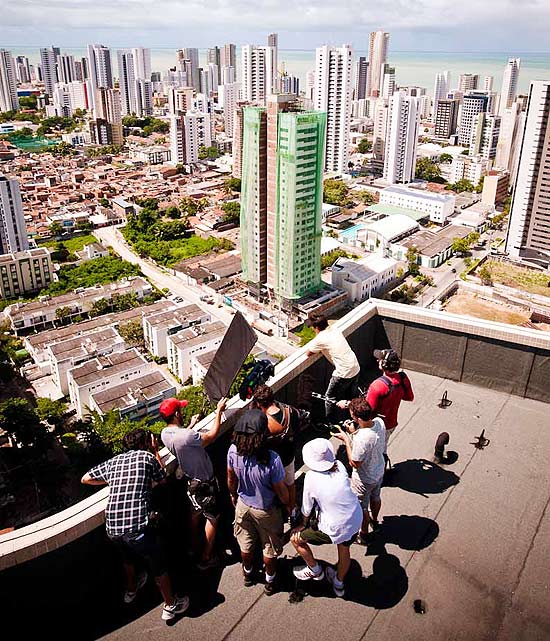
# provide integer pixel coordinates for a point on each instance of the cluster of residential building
(91, 363)
(99, 192)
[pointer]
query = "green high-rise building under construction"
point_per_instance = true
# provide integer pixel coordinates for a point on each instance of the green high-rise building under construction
(281, 197)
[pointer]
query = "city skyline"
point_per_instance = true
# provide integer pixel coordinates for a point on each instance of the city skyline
(433, 25)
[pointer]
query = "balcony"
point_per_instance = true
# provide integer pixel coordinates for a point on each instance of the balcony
(469, 539)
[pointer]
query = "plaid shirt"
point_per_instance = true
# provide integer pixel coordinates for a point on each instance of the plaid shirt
(129, 476)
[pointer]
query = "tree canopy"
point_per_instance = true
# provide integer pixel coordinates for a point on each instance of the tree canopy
(364, 146)
(427, 169)
(148, 124)
(460, 186)
(412, 258)
(208, 153)
(165, 242)
(132, 333)
(19, 419)
(232, 184)
(107, 269)
(335, 192)
(232, 211)
(51, 411)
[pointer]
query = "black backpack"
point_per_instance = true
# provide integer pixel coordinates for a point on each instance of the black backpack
(391, 385)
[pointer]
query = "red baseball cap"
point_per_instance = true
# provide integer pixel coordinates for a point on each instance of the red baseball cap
(170, 406)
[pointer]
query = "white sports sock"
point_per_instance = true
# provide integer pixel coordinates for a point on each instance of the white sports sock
(270, 577)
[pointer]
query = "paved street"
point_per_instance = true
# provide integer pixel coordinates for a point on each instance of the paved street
(111, 236)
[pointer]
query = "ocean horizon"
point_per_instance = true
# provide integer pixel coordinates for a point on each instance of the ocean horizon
(411, 67)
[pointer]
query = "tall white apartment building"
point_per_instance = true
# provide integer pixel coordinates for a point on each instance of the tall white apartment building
(13, 231)
(136, 89)
(378, 53)
(509, 87)
(180, 99)
(70, 96)
(401, 139)
(144, 97)
(273, 43)
(360, 78)
(333, 90)
(228, 98)
(48, 63)
(380, 117)
(100, 69)
(100, 66)
(66, 71)
(142, 63)
(228, 56)
(509, 138)
(189, 60)
(529, 226)
(106, 128)
(472, 105)
(8, 82)
(228, 75)
(258, 72)
(467, 82)
(127, 82)
(442, 86)
(485, 133)
(310, 85)
(188, 133)
(22, 69)
(470, 168)
(488, 83)
(388, 82)
(424, 106)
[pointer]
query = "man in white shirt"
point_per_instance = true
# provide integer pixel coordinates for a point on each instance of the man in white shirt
(365, 450)
(327, 489)
(336, 349)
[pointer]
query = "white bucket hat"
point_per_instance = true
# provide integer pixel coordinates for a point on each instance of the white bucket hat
(318, 455)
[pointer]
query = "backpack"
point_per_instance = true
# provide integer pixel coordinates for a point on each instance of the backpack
(391, 385)
(294, 421)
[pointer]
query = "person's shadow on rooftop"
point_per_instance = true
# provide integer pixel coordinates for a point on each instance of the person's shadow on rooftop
(409, 532)
(420, 476)
(383, 589)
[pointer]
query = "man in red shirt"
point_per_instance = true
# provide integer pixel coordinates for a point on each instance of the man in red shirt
(387, 391)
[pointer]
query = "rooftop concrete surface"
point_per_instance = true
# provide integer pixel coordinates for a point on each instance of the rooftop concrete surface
(469, 539)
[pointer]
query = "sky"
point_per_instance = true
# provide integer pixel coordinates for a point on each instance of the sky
(415, 25)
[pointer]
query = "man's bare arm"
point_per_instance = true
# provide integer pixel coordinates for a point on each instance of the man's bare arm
(212, 434)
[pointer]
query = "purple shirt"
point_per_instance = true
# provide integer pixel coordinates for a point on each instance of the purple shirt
(256, 480)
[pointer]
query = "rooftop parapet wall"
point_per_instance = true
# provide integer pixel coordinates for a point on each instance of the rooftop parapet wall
(482, 353)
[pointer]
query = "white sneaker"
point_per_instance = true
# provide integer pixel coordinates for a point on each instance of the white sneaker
(141, 581)
(332, 577)
(305, 572)
(178, 607)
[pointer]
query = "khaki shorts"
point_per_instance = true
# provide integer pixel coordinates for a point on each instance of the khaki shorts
(366, 491)
(290, 474)
(253, 525)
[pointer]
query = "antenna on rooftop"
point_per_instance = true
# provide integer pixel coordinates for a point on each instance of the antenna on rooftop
(444, 403)
(482, 442)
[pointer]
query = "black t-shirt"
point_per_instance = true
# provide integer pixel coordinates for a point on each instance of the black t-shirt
(283, 443)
